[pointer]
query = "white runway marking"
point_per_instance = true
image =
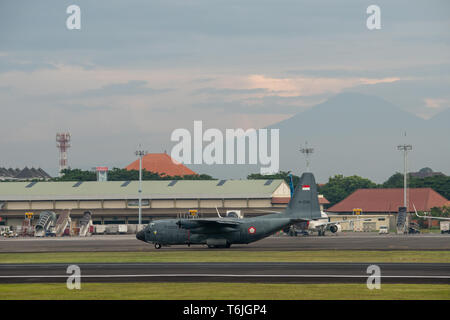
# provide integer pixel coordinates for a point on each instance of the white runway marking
(226, 275)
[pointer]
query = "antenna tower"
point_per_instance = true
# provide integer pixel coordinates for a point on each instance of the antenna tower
(62, 143)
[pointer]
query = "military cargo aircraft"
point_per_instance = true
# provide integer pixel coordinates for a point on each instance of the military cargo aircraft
(321, 225)
(223, 232)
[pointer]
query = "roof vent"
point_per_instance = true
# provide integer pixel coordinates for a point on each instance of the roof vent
(76, 185)
(172, 183)
(221, 183)
(125, 184)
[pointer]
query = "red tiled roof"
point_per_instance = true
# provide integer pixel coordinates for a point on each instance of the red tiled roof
(161, 163)
(388, 200)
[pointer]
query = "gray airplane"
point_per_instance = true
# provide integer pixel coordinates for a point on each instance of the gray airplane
(223, 232)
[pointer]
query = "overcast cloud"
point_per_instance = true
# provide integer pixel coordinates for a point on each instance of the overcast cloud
(139, 69)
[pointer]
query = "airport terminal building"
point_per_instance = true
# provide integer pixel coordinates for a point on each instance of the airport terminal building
(116, 202)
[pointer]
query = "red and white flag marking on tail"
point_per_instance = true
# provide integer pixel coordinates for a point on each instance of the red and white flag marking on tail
(306, 187)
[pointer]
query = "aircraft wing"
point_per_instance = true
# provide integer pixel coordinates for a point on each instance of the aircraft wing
(208, 223)
(268, 211)
(329, 223)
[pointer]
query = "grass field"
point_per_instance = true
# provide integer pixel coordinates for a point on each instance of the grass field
(227, 291)
(229, 256)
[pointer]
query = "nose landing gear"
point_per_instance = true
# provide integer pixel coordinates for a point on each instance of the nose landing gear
(157, 245)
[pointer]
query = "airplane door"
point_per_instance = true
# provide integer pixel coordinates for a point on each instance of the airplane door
(183, 236)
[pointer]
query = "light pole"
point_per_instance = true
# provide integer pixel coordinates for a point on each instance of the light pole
(405, 148)
(140, 153)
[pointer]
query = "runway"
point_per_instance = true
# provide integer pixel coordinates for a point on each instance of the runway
(228, 272)
(341, 241)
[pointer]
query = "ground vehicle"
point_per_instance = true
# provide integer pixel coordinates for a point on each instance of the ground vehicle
(413, 228)
(445, 226)
(50, 232)
(6, 232)
(383, 230)
(223, 232)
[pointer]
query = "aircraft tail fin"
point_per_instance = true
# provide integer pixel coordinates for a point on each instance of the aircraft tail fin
(304, 202)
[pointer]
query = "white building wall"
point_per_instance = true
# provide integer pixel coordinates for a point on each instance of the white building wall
(114, 204)
(160, 204)
(88, 204)
(42, 205)
(259, 203)
(186, 203)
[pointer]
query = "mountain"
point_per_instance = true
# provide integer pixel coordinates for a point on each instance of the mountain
(355, 133)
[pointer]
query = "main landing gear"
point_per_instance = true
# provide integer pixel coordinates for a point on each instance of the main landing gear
(157, 245)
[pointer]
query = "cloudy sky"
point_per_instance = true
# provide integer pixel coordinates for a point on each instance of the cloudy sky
(137, 70)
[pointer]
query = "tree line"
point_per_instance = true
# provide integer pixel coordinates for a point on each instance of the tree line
(339, 187)
(118, 174)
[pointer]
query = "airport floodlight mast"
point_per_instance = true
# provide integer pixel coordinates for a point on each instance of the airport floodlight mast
(140, 153)
(62, 143)
(405, 148)
(307, 152)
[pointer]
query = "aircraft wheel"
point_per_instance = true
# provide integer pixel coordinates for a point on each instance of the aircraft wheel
(157, 245)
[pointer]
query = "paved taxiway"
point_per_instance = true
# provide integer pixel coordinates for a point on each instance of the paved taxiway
(291, 272)
(342, 241)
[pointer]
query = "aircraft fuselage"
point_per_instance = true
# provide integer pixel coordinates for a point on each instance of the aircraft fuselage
(169, 232)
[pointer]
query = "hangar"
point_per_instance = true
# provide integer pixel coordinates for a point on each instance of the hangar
(116, 202)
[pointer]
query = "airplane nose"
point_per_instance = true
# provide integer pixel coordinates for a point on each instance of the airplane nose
(140, 235)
